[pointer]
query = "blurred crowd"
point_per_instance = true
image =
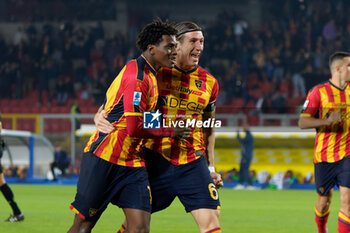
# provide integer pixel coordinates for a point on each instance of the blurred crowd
(283, 58)
(15, 171)
(265, 66)
(280, 180)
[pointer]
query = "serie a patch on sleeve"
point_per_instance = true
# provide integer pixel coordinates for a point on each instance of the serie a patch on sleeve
(306, 104)
(137, 98)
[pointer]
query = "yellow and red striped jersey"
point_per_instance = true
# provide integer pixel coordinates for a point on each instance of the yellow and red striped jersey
(184, 94)
(332, 142)
(131, 93)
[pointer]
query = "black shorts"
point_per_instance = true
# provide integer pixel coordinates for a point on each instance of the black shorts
(327, 175)
(101, 182)
(191, 183)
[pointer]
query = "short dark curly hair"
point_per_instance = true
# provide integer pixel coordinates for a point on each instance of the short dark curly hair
(152, 33)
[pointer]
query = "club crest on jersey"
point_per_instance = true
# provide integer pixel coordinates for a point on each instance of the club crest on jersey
(198, 83)
(92, 212)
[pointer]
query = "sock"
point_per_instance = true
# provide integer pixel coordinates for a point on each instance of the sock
(215, 230)
(122, 229)
(321, 220)
(343, 223)
(8, 194)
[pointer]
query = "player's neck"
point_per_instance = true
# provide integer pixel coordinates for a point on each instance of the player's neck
(184, 67)
(336, 80)
(150, 60)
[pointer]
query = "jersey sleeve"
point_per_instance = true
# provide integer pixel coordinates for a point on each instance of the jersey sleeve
(135, 95)
(312, 104)
(210, 108)
(135, 101)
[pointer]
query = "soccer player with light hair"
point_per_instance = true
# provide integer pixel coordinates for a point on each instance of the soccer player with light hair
(113, 169)
(327, 109)
(184, 169)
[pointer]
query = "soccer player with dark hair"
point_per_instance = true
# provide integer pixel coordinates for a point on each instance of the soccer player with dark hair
(6, 190)
(185, 169)
(113, 169)
(326, 109)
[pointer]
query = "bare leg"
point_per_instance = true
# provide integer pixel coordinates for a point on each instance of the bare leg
(81, 226)
(206, 219)
(323, 203)
(137, 221)
(345, 200)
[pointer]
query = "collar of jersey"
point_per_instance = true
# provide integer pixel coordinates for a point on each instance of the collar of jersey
(339, 87)
(186, 72)
(149, 65)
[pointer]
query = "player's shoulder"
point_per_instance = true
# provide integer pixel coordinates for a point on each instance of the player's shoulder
(319, 86)
(165, 71)
(138, 68)
(204, 72)
(130, 67)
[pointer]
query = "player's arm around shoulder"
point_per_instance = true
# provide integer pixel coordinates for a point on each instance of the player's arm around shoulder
(306, 122)
(101, 122)
(311, 108)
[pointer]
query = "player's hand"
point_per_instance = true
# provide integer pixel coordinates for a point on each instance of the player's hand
(333, 117)
(182, 133)
(101, 122)
(217, 179)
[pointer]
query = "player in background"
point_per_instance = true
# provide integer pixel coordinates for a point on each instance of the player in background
(179, 168)
(326, 109)
(113, 169)
(6, 190)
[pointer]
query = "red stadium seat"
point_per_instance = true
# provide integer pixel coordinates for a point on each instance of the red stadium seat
(26, 124)
(56, 109)
(6, 109)
(93, 109)
(249, 107)
(253, 81)
(35, 109)
(7, 123)
(55, 127)
(45, 109)
(16, 109)
(236, 105)
(84, 109)
(253, 120)
(66, 125)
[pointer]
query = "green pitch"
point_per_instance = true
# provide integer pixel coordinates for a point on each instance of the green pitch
(46, 210)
